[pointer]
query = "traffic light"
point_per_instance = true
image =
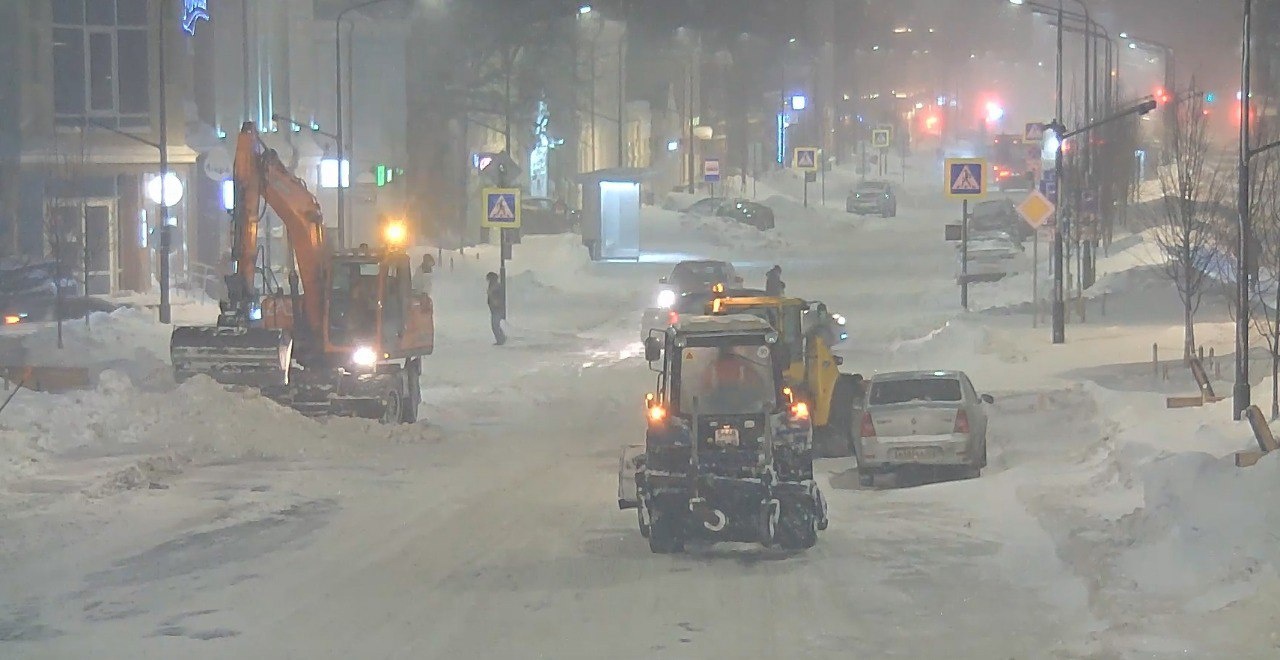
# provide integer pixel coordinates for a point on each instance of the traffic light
(1210, 97)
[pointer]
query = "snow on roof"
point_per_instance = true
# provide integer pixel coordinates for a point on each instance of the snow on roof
(724, 323)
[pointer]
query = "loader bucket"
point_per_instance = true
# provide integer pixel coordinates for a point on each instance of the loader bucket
(234, 356)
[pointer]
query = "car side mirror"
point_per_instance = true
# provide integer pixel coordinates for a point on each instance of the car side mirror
(987, 398)
(652, 349)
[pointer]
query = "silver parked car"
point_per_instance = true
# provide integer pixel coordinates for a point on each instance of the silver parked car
(922, 418)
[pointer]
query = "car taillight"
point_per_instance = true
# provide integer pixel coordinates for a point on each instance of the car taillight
(962, 423)
(672, 318)
(868, 426)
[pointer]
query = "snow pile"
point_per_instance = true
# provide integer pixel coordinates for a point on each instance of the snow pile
(956, 345)
(1205, 527)
(158, 428)
(723, 232)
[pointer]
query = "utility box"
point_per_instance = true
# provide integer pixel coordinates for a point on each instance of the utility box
(611, 213)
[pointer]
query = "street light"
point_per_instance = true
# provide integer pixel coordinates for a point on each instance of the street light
(337, 89)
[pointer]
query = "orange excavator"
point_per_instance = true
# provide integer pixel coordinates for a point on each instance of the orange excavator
(346, 337)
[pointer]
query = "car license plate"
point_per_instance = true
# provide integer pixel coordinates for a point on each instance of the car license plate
(727, 437)
(914, 453)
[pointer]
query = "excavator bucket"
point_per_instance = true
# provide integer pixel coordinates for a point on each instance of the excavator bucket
(258, 357)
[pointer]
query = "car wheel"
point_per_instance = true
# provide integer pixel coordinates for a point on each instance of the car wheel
(866, 479)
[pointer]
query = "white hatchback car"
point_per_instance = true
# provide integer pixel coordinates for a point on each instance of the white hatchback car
(922, 418)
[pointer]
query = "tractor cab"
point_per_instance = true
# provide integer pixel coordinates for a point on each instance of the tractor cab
(807, 333)
(728, 449)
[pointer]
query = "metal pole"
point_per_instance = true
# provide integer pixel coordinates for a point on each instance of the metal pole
(351, 127)
(964, 255)
(1059, 309)
(1240, 392)
(622, 105)
(165, 234)
(1035, 279)
(342, 150)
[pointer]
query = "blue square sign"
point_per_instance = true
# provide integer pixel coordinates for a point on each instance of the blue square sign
(502, 208)
(966, 177)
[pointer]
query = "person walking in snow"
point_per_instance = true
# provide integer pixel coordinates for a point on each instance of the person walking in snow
(494, 296)
(773, 284)
(423, 279)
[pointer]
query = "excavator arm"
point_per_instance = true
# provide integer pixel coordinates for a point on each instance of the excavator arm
(259, 176)
(239, 350)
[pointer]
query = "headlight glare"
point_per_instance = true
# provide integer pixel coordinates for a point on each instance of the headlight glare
(364, 357)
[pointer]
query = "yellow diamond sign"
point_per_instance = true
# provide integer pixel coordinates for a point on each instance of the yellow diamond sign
(1036, 209)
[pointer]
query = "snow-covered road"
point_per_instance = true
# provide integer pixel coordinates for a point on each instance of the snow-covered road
(140, 520)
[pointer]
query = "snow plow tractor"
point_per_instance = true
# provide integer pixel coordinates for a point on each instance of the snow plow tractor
(348, 334)
(728, 452)
(806, 334)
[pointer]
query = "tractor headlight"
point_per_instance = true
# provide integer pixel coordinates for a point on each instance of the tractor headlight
(839, 319)
(255, 313)
(364, 357)
(666, 298)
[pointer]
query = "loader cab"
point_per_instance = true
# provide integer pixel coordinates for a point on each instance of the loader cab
(783, 314)
(372, 305)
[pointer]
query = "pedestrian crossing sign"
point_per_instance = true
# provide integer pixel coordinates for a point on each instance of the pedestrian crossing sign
(807, 159)
(966, 177)
(502, 208)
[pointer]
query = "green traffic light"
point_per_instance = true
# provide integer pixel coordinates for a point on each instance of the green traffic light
(380, 174)
(1209, 97)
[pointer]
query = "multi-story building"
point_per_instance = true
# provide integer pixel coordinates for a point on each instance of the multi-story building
(82, 146)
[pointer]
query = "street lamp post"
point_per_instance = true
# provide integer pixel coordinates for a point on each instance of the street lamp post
(1240, 392)
(166, 236)
(337, 90)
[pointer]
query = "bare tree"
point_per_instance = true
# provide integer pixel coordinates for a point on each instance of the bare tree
(1265, 266)
(1187, 219)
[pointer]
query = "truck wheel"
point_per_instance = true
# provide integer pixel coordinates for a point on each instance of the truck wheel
(413, 390)
(392, 406)
(797, 525)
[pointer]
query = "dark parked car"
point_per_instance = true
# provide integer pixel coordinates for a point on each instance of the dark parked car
(748, 213)
(999, 215)
(873, 197)
(540, 215)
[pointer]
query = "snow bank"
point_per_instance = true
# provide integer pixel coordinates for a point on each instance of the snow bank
(153, 427)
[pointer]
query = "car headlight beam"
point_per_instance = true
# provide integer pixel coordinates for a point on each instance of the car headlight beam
(666, 298)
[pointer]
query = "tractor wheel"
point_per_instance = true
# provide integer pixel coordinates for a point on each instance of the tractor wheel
(797, 524)
(665, 535)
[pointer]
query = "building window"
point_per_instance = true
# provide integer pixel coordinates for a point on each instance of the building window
(101, 63)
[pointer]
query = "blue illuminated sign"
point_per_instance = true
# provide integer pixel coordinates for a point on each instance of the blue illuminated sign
(193, 11)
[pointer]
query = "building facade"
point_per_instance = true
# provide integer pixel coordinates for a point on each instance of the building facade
(84, 147)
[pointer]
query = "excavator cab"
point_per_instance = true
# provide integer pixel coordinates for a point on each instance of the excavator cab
(373, 313)
(346, 336)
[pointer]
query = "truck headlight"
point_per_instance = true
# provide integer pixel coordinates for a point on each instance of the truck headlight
(364, 357)
(666, 298)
